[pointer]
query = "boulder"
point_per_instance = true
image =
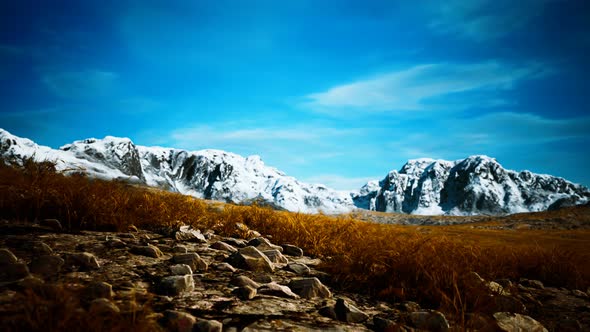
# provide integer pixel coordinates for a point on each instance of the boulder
(511, 322)
(149, 251)
(175, 285)
(292, 250)
(263, 244)
(430, 320)
(346, 312)
(223, 246)
(193, 260)
(178, 321)
(98, 289)
(83, 260)
(299, 268)
(181, 269)
(46, 265)
(7, 257)
(275, 256)
(224, 267)
(189, 234)
(309, 288)
(251, 259)
(245, 292)
(275, 289)
(242, 281)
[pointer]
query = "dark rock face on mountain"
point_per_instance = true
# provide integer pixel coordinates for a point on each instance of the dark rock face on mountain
(475, 185)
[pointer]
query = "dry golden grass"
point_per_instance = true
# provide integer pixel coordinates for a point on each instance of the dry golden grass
(426, 264)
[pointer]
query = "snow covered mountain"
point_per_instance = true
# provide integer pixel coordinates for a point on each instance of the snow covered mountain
(475, 185)
(210, 174)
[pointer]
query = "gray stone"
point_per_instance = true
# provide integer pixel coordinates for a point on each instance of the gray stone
(262, 243)
(430, 320)
(179, 321)
(103, 307)
(242, 281)
(189, 234)
(224, 267)
(309, 288)
(384, 325)
(511, 322)
(223, 246)
(251, 259)
(532, 283)
(52, 223)
(181, 269)
(46, 265)
(41, 248)
(262, 278)
(236, 243)
(245, 292)
(84, 260)
(179, 249)
(208, 326)
(13, 272)
(292, 250)
(346, 312)
(7, 257)
(149, 251)
(191, 259)
(99, 289)
(275, 256)
(175, 285)
(300, 269)
(275, 289)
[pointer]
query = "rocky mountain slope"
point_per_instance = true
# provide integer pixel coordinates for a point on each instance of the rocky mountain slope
(475, 185)
(209, 174)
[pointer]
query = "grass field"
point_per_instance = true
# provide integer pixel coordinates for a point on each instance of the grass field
(427, 264)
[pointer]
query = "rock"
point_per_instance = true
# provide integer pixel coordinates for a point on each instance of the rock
(208, 326)
(275, 289)
(510, 322)
(179, 249)
(133, 229)
(13, 272)
(149, 251)
(41, 248)
(348, 313)
(275, 256)
(51, 223)
(189, 234)
(506, 283)
(242, 281)
(579, 293)
(328, 311)
(252, 259)
(104, 307)
(84, 260)
(292, 250)
(31, 282)
(309, 288)
(46, 265)
(507, 303)
(98, 289)
(430, 320)
(384, 325)
(245, 292)
(209, 234)
(236, 243)
(262, 278)
(532, 283)
(175, 285)
(7, 257)
(224, 267)
(298, 268)
(115, 243)
(179, 321)
(409, 306)
(181, 269)
(193, 260)
(262, 243)
(223, 246)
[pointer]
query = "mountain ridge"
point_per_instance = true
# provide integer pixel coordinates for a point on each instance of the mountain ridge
(474, 185)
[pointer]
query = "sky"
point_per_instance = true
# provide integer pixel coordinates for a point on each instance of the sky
(333, 92)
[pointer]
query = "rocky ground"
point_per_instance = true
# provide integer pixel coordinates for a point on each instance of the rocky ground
(198, 281)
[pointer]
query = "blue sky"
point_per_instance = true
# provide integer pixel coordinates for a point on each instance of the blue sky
(335, 92)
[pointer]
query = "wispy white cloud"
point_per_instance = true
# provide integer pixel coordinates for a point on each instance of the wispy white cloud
(81, 84)
(483, 20)
(420, 87)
